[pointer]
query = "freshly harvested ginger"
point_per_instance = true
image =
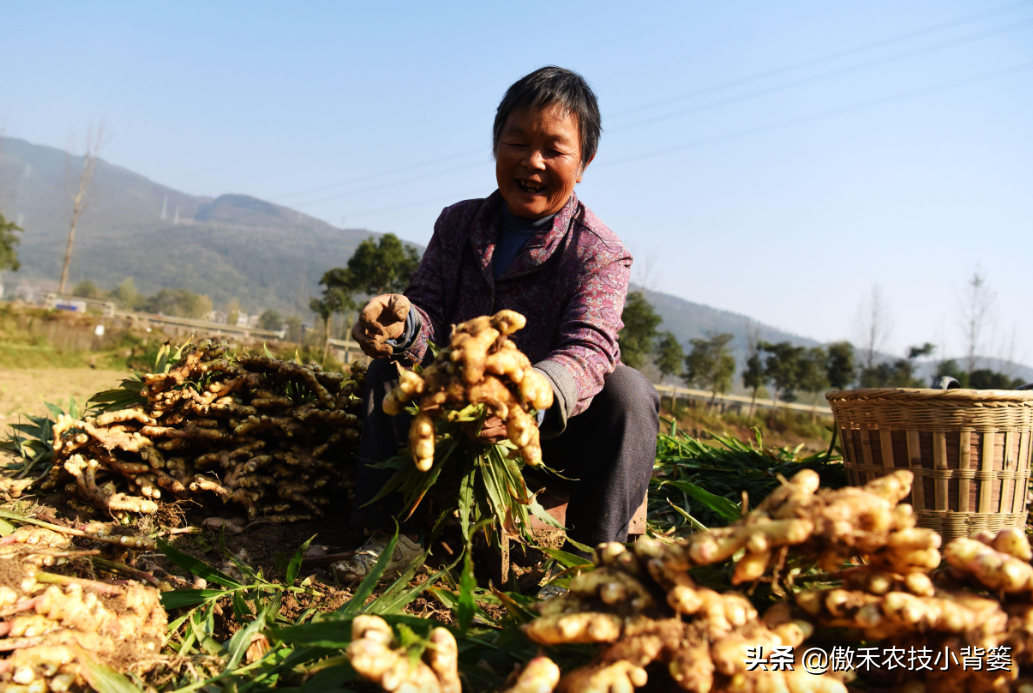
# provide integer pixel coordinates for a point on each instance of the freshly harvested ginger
(479, 366)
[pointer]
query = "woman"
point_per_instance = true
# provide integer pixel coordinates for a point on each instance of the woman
(532, 247)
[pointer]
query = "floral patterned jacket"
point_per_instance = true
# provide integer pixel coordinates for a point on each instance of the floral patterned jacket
(570, 282)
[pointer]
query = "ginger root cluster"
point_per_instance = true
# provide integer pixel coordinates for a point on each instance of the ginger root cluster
(646, 613)
(373, 653)
(480, 365)
(653, 622)
(264, 434)
(51, 625)
(644, 610)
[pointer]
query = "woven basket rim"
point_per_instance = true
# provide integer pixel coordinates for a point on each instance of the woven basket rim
(901, 394)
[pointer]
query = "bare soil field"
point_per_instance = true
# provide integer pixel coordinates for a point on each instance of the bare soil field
(23, 391)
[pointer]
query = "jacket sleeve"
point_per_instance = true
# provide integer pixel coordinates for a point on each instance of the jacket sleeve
(587, 350)
(426, 292)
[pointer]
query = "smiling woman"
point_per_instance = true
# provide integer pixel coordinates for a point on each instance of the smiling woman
(532, 247)
(546, 133)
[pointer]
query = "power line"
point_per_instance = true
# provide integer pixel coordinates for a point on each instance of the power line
(728, 101)
(479, 150)
(705, 107)
(817, 60)
(455, 197)
(390, 184)
(480, 82)
(824, 115)
(337, 131)
(771, 127)
(877, 62)
(370, 145)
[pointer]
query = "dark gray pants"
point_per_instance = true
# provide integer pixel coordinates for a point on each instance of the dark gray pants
(608, 449)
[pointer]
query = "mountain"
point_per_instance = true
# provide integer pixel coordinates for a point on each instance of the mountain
(265, 255)
(231, 246)
(688, 320)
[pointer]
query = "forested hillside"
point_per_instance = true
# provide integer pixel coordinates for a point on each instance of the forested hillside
(233, 246)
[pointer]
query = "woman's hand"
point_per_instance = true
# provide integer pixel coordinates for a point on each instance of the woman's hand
(382, 318)
(492, 430)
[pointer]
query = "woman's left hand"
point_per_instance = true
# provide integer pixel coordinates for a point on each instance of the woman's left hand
(491, 431)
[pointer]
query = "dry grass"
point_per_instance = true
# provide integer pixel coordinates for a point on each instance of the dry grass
(23, 391)
(786, 429)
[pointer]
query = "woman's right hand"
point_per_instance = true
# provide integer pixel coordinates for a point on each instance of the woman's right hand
(381, 319)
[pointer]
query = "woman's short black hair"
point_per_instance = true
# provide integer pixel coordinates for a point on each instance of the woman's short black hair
(554, 85)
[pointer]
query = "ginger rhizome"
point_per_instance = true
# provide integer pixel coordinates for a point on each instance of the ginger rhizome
(480, 365)
(267, 436)
(53, 625)
(642, 607)
(374, 653)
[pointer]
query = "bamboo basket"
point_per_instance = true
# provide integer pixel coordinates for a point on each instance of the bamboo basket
(969, 450)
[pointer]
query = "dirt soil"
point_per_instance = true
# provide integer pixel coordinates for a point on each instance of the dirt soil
(24, 391)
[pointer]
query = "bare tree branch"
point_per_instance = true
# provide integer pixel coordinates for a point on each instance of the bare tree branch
(644, 273)
(977, 302)
(95, 141)
(873, 325)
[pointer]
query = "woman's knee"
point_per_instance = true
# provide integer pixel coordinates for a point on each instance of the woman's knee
(629, 391)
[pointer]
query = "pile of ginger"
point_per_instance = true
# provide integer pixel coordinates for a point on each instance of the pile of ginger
(53, 626)
(480, 365)
(270, 437)
(649, 619)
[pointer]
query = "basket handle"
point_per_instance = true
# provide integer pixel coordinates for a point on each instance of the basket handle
(949, 383)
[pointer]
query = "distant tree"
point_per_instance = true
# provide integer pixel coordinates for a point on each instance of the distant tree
(232, 311)
(270, 320)
(179, 302)
(710, 365)
(669, 355)
(79, 190)
(782, 368)
(977, 303)
(986, 379)
(87, 289)
(376, 267)
(813, 375)
(753, 378)
(898, 373)
(840, 370)
(9, 239)
(293, 327)
(333, 301)
(126, 295)
(917, 352)
(639, 333)
(874, 325)
(753, 374)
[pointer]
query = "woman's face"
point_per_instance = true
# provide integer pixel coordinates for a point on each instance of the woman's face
(538, 161)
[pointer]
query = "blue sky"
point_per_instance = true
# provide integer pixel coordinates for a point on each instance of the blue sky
(774, 159)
